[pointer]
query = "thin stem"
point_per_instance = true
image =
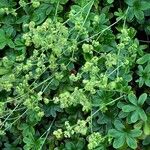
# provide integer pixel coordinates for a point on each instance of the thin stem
(101, 32)
(77, 13)
(107, 105)
(114, 70)
(82, 25)
(47, 131)
(56, 10)
(143, 41)
(16, 119)
(9, 115)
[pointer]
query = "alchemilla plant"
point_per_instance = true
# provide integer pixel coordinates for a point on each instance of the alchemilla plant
(74, 74)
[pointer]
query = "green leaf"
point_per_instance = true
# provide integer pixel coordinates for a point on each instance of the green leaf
(63, 1)
(123, 114)
(130, 14)
(129, 2)
(142, 114)
(143, 59)
(134, 117)
(132, 98)
(147, 68)
(40, 13)
(141, 81)
(10, 43)
(51, 110)
(119, 142)
(128, 108)
(2, 45)
(131, 142)
(145, 5)
(110, 1)
(135, 132)
(80, 144)
(147, 82)
(4, 3)
(3, 71)
(142, 99)
(146, 128)
(146, 141)
(140, 70)
(2, 39)
(69, 146)
(114, 133)
(139, 14)
(118, 125)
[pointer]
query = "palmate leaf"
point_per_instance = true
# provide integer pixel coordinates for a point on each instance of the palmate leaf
(133, 111)
(123, 137)
(136, 115)
(137, 8)
(27, 129)
(41, 13)
(52, 110)
(32, 143)
(101, 97)
(144, 75)
(5, 40)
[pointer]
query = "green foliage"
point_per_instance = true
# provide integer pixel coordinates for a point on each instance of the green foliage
(74, 74)
(134, 110)
(124, 136)
(5, 39)
(137, 8)
(143, 70)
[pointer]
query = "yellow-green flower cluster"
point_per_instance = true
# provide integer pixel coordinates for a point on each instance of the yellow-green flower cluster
(79, 128)
(95, 139)
(87, 48)
(58, 133)
(52, 36)
(67, 99)
(111, 60)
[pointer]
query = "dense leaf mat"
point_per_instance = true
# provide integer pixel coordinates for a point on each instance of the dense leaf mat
(74, 74)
